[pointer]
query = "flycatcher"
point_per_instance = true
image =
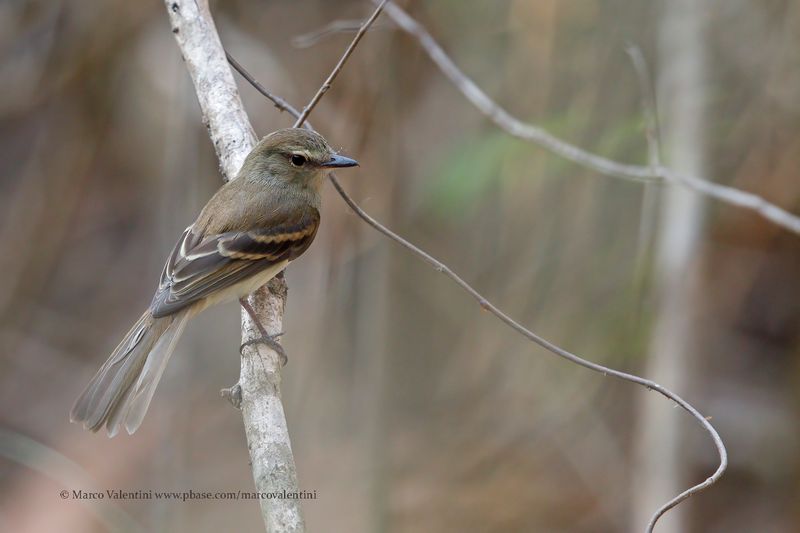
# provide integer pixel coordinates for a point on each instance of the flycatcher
(246, 234)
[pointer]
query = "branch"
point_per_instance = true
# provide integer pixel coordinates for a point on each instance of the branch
(557, 350)
(307, 40)
(259, 380)
(279, 102)
(649, 107)
(338, 68)
(537, 135)
(649, 207)
(533, 337)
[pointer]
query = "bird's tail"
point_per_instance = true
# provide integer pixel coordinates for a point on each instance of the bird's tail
(120, 392)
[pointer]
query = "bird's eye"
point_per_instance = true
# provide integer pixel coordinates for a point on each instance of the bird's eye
(298, 160)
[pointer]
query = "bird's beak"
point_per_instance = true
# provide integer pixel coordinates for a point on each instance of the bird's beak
(339, 161)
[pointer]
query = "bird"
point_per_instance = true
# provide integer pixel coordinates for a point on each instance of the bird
(246, 234)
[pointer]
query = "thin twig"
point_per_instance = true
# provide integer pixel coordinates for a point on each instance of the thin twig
(279, 102)
(537, 135)
(557, 350)
(335, 72)
(307, 40)
(649, 209)
(649, 107)
(653, 137)
(487, 305)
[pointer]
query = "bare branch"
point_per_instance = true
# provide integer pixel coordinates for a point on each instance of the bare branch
(557, 350)
(649, 107)
(279, 102)
(307, 40)
(335, 72)
(649, 209)
(537, 135)
(223, 114)
(655, 421)
(519, 328)
(259, 381)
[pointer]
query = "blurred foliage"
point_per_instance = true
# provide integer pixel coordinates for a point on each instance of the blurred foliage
(469, 170)
(465, 173)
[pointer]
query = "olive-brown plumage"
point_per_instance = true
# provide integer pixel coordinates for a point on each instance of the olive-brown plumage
(248, 232)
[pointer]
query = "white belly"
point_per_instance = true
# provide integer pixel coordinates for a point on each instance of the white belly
(243, 288)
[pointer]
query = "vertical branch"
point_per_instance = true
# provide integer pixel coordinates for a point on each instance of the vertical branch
(223, 113)
(233, 138)
(661, 463)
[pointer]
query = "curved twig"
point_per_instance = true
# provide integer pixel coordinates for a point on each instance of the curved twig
(522, 330)
(537, 135)
(557, 350)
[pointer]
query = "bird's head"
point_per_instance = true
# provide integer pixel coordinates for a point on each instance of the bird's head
(293, 157)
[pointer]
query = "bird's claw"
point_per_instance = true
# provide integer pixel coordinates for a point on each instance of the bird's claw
(272, 342)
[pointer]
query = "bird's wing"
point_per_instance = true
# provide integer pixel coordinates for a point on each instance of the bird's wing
(200, 264)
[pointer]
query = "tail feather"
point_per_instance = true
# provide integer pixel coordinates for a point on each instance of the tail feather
(121, 390)
(136, 406)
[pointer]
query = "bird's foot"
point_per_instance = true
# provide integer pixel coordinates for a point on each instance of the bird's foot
(266, 339)
(272, 342)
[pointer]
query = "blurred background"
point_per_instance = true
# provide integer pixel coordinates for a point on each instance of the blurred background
(409, 408)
